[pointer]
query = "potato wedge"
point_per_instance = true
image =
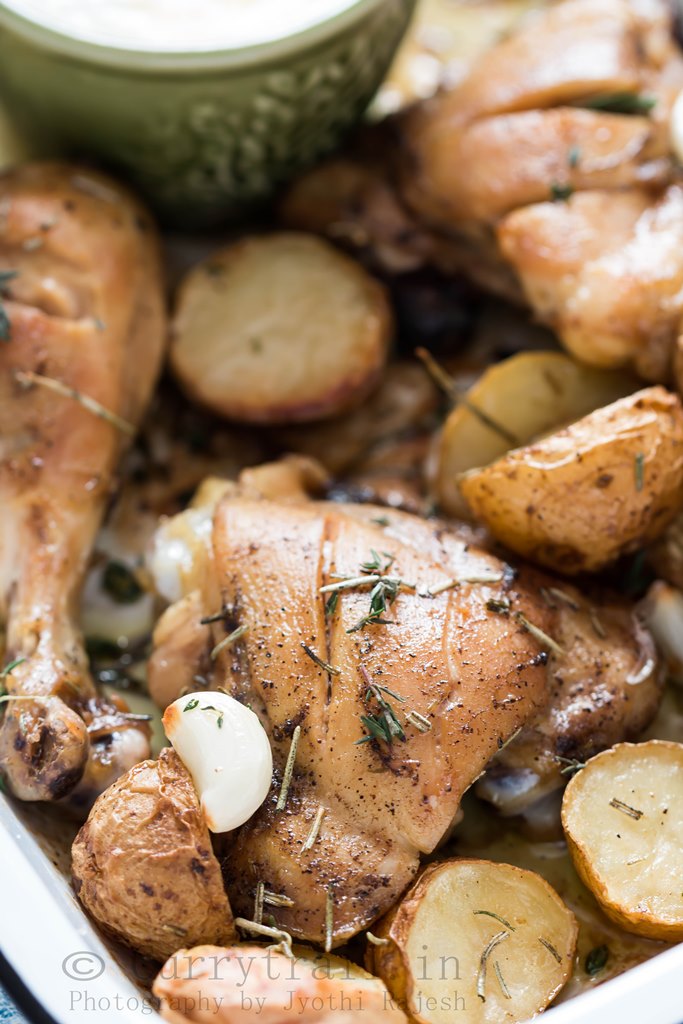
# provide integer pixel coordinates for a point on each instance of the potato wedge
(599, 489)
(528, 394)
(280, 328)
(623, 819)
(491, 941)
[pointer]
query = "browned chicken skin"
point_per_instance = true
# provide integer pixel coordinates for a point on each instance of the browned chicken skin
(85, 310)
(463, 660)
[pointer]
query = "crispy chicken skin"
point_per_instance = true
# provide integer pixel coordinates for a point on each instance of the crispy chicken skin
(86, 309)
(463, 659)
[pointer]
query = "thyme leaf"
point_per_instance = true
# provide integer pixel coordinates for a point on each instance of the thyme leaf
(5, 326)
(324, 665)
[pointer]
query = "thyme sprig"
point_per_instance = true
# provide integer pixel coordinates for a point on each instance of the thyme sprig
(384, 724)
(385, 588)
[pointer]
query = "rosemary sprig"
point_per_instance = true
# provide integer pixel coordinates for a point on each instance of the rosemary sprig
(258, 902)
(632, 812)
(5, 326)
(571, 765)
(329, 918)
(385, 724)
(538, 634)
(481, 976)
(639, 470)
(324, 665)
(315, 829)
(10, 667)
(28, 379)
(228, 641)
(289, 770)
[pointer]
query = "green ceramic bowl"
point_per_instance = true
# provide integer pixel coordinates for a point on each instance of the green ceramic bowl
(204, 136)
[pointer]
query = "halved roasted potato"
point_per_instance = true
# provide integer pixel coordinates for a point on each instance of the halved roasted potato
(280, 328)
(599, 489)
(512, 403)
(623, 818)
(500, 931)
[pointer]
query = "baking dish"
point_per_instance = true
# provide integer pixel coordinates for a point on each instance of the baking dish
(60, 971)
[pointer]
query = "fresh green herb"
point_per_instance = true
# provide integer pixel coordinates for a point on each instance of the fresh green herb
(5, 326)
(639, 469)
(573, 156)
(10, 667)
(596, 960)
(381, 521)
(228, 641)
(632, 812)
(331, 603)
(497, 917)
(289, 770)
(560, 191)
(383, 725)
(324, 665)
(481, 976)
(191, 704)
(622, 103)
(217, 711)
(376, 564)
(551, 949)
(120, 583)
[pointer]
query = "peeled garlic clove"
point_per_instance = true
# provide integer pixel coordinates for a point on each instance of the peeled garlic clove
(226, 751)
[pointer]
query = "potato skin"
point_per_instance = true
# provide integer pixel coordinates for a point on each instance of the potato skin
(143, 865)
(599, 489)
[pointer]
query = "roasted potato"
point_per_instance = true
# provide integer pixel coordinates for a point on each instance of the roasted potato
(502, 932)
(143, 865)
(526, 396)
(599, 489)
(247, 981)
(281, 328)
(623, 818)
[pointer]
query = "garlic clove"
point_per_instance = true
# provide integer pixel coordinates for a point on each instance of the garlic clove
(226, 751)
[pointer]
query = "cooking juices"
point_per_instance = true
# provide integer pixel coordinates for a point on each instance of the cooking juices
(177, 26)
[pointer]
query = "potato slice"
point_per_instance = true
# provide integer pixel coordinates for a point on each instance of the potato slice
(280, 328)
(623, 818)
(491, 941)
(528, 395)
(599, 489)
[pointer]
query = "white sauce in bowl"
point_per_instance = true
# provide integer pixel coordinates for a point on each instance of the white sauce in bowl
(179, 26)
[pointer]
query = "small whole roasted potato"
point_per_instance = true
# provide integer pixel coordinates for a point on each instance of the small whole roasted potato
(143, 865)
(582, 497)
(500, 931)
(514, 402)
(281, 328)
(623, 818)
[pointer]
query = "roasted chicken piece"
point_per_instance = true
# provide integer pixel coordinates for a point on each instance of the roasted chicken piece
(84, 328)
(393, 709)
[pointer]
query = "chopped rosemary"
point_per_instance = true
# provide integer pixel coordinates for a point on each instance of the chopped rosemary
(551, 949)
(421, 723)
(639, 470)
(315, 829)
(444, 381)
(28, 379)
(228, 641)
(538, 634)
(456, 581)
(258, 902)
(571, 765)
(10, 667)
(502, 744)
(375, 941)
(120, 583)
(376, 564)
(381, 521)
(622, 103)
(501, 980)
(481, 976)
(384, 588)
(324, 665)
(560, 191)
(632, 812)
(284, 939)
(289, 770)
(497, 917)
(217, 617)
(331, 603)
(5, 326)
(276, 899)
(329, 918)
(596, 960)
(350, 583)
